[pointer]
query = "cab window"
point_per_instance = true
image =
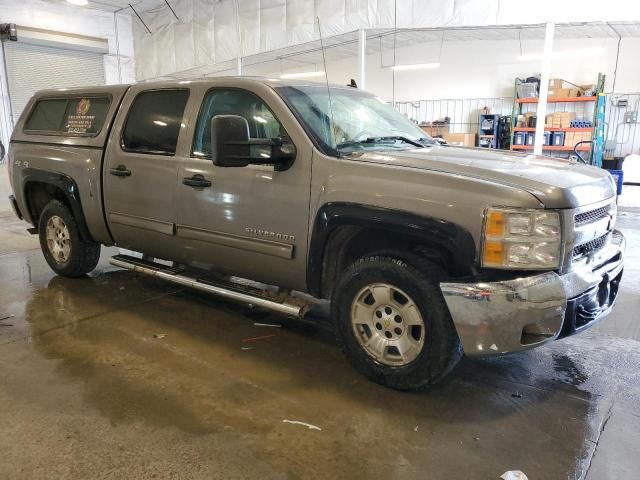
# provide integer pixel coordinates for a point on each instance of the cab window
(262, 122)
(154, 121)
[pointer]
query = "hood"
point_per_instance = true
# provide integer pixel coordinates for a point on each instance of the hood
(556, 183)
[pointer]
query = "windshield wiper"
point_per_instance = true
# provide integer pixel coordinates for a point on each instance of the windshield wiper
(391, 138)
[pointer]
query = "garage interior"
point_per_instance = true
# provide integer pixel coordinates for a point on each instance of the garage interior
(121, 375)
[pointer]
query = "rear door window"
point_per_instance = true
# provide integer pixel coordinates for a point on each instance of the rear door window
(73, 116)
(154, 121)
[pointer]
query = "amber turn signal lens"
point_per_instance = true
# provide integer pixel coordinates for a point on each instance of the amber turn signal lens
(493, 253)
(495, 224)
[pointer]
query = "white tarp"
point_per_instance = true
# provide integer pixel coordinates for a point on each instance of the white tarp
(212, 32)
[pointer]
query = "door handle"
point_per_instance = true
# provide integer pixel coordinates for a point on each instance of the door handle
(196, 181)
(120, 171)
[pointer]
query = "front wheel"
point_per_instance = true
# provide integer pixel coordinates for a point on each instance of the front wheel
(393, 324)
(64, 249)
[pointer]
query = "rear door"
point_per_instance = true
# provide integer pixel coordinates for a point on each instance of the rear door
(141, 169)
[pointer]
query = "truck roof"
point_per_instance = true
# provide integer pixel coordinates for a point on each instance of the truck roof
(118, 88)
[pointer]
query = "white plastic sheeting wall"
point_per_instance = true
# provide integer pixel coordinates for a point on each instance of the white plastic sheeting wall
(210, 32)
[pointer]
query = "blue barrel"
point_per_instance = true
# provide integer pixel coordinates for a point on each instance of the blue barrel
(618, 176)
(518, 138)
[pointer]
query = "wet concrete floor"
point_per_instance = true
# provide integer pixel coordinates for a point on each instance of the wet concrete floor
(118, 375)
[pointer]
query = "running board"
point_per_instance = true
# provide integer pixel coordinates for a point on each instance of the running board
(176, 275)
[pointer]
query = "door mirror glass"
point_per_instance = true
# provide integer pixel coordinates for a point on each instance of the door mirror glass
(230, 141)
(232, 147)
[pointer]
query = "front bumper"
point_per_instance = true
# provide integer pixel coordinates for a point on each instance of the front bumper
(513, 315)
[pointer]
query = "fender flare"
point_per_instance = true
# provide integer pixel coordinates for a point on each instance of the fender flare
(64, 183)
(449, 236)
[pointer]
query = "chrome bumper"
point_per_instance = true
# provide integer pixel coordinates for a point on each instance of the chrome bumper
(513, 315)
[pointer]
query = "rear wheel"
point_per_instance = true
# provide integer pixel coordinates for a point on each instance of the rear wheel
(393, 324)
(64, 249)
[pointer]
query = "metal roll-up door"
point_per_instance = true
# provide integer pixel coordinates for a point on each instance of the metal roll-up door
(33, 67)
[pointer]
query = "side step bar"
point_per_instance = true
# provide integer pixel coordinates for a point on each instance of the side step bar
(176, 275)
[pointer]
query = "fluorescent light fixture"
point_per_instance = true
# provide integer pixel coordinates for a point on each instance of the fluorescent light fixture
(561, 53)
(79, 3)
(415, 66)
(319, 73)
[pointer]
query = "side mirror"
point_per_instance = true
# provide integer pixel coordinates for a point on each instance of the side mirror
(232, 147)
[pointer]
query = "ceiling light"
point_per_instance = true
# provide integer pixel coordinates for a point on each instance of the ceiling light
(160, 123)
(303, 74)
(415, 66)
(79, 3)
(560, 53)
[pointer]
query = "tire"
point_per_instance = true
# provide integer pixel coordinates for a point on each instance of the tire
(429, 355)
(66, 252)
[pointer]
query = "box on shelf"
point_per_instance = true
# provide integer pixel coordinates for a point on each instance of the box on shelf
(555, 83)
(562, 119)
(460, 139)
(548, 120)
(573, 92)
(558, 92)
(436, 129)
(573, 138)
(588, 90)
(569, 139)
(527, 90)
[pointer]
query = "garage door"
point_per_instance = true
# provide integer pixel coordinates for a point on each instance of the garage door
(34, 67)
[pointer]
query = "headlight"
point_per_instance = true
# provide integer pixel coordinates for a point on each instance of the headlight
(521, 239)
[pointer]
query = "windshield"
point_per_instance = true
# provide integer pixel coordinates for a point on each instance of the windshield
(361, 121)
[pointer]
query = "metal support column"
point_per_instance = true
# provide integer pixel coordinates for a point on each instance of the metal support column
(541, 113)
(362, 52)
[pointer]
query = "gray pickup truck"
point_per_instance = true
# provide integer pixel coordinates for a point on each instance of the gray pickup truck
(235, 186)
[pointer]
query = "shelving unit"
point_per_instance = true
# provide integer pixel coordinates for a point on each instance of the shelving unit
(597, 132)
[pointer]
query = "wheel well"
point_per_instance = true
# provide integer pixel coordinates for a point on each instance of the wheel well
(348, 243)
(38, 194)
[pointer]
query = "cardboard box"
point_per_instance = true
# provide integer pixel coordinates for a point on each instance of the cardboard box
(548, 120)
(573, 138)
(565, 119)
(558, 92)
(461, 139)
(569, 139)
(436, 130)
(573, 92)
(555, 83)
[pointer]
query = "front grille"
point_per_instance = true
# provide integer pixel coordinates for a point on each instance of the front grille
(592, 215)
(593, 245)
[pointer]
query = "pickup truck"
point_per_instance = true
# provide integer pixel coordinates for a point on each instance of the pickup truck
(285, 194)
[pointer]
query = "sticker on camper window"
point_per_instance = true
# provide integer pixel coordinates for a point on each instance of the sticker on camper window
(79, 121)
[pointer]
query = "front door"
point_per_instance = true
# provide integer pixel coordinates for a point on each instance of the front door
(247, 221)
(141, 170)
